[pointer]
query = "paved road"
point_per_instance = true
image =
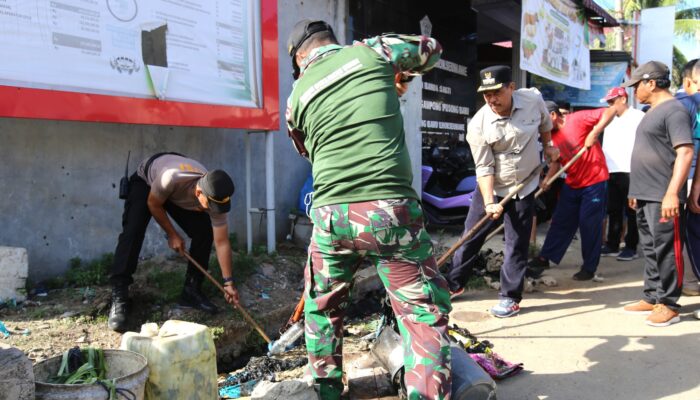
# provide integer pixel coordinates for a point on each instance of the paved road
(576, 343)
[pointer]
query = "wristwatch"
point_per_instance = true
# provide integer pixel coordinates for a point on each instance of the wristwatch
(550, 144)
(228, 280)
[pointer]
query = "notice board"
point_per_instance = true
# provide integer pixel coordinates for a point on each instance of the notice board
(170, 62)
(554, 42)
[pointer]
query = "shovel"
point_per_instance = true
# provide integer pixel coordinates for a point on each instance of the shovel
(549, 183)
(487, 217)
(237, 305)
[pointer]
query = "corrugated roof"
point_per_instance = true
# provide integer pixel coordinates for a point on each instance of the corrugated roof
(604, 18)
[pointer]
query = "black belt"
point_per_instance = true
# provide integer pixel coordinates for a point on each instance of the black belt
(147, 167)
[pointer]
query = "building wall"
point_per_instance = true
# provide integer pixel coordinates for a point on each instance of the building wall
(60, 178)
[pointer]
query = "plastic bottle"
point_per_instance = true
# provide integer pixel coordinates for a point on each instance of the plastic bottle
(287, 339)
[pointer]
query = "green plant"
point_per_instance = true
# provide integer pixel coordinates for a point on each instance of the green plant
(85, 366)
(254, 341)
(259, 250)
(233, 239)
(476, 283)
(168, 283)
(216, 332)
(95, 272)
(38, 313)
(57, 282)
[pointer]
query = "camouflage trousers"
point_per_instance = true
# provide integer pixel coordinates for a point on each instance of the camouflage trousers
(389, 233)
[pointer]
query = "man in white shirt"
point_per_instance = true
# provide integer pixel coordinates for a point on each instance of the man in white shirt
(618, 141)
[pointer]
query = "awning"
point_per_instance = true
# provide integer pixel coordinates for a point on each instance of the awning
(598, 14)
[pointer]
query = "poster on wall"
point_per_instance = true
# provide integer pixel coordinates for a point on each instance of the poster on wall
(553, 42)
(604, 76)
(192, 51)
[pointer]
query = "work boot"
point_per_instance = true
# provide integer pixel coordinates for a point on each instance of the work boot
(117, 314)
(192, 296)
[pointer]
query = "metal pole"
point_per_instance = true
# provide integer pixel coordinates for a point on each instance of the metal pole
(619, 32)
(270, 190)
(248, 218)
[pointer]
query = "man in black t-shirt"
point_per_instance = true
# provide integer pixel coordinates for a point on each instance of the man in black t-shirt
(661, 158)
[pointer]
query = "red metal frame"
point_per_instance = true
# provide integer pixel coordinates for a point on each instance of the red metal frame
(52, 104)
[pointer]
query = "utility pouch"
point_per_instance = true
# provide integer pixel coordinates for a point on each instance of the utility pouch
(124, 182)
(298, 138)
(124, 188)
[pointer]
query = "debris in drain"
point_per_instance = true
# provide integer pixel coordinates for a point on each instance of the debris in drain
(260, 368)
(482, 353)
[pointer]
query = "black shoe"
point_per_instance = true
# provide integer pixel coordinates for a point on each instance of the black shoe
(533, 273)
(117, 314)
(539, 263)
(583, 275)
(192, 296)
(607, 251)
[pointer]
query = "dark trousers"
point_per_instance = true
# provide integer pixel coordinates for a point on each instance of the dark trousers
(517, 218)
(662, 246)
(692, 242)
(618, 188)
(582, 209)
(135, 219)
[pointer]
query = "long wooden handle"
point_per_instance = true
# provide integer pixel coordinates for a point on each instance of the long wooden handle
(236, 306)
(548, 183)
(487, 217)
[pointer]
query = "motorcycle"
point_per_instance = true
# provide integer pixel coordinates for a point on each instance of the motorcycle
(448, 183)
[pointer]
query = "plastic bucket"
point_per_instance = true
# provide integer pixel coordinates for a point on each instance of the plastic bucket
(128, 368)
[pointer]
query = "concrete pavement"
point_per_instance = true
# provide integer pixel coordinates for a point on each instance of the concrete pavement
(576, 342)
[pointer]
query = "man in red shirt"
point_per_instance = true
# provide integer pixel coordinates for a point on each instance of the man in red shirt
(582, 199)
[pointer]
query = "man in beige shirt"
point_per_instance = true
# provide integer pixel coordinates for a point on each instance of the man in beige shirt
(503, 137)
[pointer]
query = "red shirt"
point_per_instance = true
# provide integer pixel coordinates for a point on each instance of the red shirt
(591, 167)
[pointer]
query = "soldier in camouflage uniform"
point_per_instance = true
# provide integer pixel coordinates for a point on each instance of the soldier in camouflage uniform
(343, 115)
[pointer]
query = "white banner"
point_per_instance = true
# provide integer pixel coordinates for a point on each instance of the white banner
(196, 51)
(553, 42)
(656, 35)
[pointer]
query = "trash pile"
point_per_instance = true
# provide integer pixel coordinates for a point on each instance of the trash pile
(488, 266)
(242, 382)
(482, 353)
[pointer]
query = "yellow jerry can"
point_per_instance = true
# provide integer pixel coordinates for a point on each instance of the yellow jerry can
(181, 357)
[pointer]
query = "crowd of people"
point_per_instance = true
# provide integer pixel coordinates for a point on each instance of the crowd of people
(343, 115)
(639, 173)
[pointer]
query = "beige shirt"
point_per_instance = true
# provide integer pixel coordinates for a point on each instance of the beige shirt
(507, 147)
(173, 178)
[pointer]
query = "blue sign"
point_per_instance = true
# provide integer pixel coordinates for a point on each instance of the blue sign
(604, 75)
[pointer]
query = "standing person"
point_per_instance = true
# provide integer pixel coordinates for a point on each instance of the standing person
(582, 199)
(343, 114)
(618, 140)
(503, 139)
(663, 151)
(689, 96)
(169, 185)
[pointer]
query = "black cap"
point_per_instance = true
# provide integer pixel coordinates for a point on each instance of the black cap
(648, 70)
(493, 78)
(218, 187)
(301, 31)
(552, 106)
